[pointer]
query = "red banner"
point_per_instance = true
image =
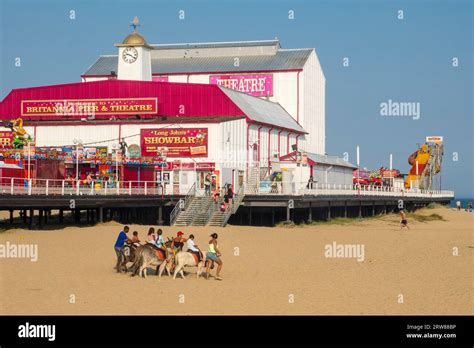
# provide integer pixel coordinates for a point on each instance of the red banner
(89, 107)
(6, 139)
(174, 142)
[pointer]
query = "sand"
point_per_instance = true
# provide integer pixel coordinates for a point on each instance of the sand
(276, 271)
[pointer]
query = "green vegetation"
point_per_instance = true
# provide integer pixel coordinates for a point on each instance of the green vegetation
(435, 206)
(334, 221)
(425, 218)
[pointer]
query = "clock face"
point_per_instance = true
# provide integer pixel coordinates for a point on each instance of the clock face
(129, 54)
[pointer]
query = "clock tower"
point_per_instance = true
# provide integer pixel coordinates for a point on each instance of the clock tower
(134, 57)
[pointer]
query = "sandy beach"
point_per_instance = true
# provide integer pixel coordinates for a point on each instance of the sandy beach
(266, 271)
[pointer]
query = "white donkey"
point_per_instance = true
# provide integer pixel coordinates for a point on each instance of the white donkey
(185, 258)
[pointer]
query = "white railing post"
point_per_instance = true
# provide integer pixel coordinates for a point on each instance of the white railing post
(29, 187)
(129, 188)
(146, 182)
(92, 187)
(11, 186)
(118, 187)
(47, 187)
(105, 188)
(62, 188)
(77, 187)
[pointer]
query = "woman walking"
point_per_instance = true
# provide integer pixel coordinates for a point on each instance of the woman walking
(213, 255)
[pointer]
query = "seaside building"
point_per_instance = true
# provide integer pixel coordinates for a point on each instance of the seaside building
(229, 109)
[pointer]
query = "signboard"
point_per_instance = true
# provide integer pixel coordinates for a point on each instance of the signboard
(257, 85)
(387, 173)
(179, 142)
(89, 107)
(134, 151)
(6, 139)
(434, 139)
(101, 152)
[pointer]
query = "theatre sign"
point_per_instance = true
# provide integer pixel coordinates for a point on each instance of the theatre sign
(89, 107)
(257, 85)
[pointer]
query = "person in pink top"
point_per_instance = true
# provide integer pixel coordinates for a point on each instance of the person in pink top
(150, 238)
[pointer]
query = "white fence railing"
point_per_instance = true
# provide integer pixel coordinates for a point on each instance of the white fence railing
(292, 188)
(50, 187)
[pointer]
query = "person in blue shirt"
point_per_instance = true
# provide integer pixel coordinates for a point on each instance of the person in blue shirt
(121, 239)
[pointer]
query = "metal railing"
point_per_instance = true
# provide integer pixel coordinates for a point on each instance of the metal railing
(296, 188)
(182, 204)
(53, 187)
(234, 206)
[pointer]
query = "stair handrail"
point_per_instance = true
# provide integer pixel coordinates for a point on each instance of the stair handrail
(210, 210)
(234, 206)
(182, 204)
(191, 193)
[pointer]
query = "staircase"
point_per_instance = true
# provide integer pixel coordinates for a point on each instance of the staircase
(219, 218)
(207, 207)
(194, 211)
(253, 180)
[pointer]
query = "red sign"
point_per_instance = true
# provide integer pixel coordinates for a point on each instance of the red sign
(89, 107)
(6, 139)
(257, 85)
(159, 78)
(174, 142)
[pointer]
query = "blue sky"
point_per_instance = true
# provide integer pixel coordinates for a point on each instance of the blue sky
(407, 60)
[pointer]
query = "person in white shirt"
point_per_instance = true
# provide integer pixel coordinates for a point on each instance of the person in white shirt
(458, 205)
(193, 247)
(159, 239)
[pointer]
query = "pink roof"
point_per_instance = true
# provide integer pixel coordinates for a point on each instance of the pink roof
(199, 100)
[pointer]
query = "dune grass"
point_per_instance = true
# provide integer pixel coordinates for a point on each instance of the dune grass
(425, 218)
(433, 205)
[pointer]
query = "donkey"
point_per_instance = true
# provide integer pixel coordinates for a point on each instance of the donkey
(147, 256)
(186, 258)
(126, 255)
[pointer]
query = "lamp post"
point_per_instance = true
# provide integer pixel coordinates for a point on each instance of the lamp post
(115, 147)
(391, 167)
(29, 160)
(77, 142)
(358, 167)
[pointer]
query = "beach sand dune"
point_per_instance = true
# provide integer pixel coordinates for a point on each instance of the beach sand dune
(266, 271)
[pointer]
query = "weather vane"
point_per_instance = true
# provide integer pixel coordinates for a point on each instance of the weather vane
(135, 23)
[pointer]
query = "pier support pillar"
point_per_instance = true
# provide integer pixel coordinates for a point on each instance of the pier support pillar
(345, 209)
(32, 212)
(373, 208)
(273, 217)
(61, 216)
(310, 213)
(250, 216)
(101, 214)
(11, 216)
(40, 219)
(385, 207)
(360, 209)
(288, 214)
(77, 215)
(329, 211)
(160, 215)
(24, 215)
